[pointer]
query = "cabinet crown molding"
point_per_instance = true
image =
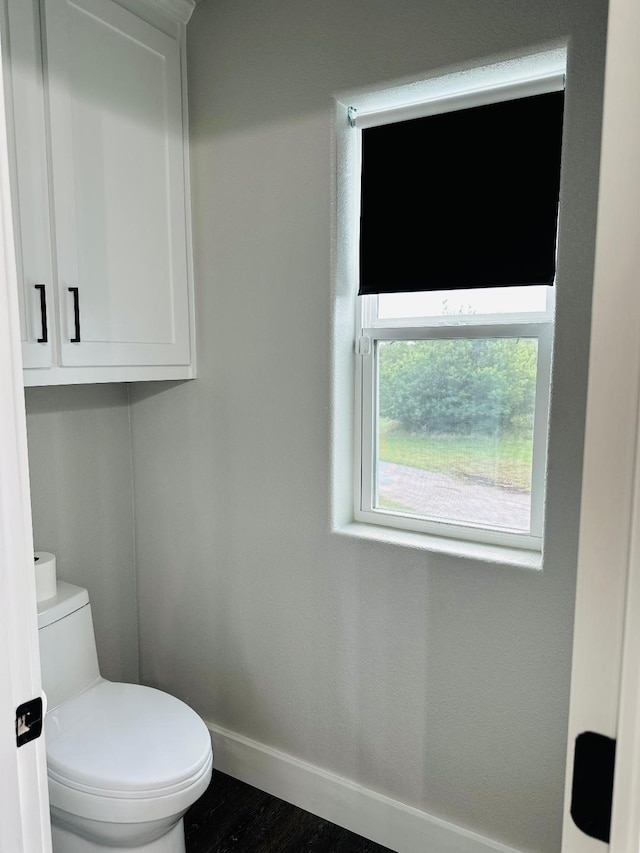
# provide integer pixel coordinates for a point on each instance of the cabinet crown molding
(179, 10)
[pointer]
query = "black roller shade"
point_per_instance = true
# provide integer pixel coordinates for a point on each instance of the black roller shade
(462, 199)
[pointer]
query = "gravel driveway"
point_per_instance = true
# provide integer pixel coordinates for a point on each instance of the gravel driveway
(451, 498)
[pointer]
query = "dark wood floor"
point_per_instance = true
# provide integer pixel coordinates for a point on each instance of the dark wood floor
(232, 816)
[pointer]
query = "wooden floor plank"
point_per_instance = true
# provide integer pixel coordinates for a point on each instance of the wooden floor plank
(232, 817)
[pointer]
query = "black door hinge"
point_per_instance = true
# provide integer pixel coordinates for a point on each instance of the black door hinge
(28, 721)
(592, 791)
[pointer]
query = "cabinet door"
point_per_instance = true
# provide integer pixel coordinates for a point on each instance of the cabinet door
(117, 153)
(28, 163)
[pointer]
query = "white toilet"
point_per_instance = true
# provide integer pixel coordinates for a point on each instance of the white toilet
(124, 761)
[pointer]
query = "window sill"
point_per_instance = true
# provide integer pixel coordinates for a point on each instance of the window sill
(477, 551)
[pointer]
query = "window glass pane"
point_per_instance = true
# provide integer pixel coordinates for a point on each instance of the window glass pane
(455, 430)
(442, 303)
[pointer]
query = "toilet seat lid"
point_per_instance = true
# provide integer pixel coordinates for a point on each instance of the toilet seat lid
(126, 740)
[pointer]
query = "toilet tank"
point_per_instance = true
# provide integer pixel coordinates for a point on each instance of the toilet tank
(68, 657)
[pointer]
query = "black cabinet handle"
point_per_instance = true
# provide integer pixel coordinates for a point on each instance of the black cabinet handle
(76, 314)
(43, 313)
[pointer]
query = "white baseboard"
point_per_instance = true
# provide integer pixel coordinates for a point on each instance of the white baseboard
(388, 822)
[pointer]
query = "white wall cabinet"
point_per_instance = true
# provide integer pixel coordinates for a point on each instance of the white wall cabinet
(30, 198)
(100, 190)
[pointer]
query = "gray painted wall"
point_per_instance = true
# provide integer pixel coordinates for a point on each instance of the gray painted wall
(82, 504)
(438, 681)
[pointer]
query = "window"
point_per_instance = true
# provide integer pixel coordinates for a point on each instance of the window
(455, 312)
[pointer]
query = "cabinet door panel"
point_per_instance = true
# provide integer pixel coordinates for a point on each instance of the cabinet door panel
(29, 190)
(118, 179)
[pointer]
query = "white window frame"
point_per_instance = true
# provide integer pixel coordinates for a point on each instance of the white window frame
(370, 330)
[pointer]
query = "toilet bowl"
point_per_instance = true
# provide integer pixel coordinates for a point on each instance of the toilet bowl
(124, 761)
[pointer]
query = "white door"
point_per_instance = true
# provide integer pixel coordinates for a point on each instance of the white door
(24, 819)
(115, 98)
(21, 48)
(607, 622)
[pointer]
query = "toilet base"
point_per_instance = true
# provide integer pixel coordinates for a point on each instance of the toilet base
(65, 841)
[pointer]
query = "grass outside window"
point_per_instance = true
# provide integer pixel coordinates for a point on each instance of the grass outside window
(504, 461)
